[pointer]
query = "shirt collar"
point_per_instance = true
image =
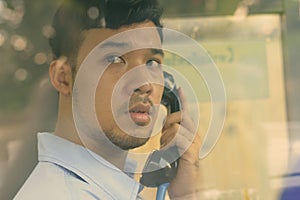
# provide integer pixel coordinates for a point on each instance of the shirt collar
(88, 165)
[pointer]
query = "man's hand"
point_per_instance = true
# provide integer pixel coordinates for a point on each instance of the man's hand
(180, 130)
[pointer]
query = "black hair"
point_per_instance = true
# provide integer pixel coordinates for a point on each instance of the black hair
(75, 16)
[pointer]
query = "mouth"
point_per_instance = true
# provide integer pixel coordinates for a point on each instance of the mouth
(140, 114)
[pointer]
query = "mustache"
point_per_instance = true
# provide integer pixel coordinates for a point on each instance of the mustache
(140, 99)
(135, 100)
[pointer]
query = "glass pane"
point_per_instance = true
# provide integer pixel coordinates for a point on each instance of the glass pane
(253, 147)
(27, 100)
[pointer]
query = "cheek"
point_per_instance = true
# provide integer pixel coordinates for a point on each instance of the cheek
(158, 93)
(103, 98)
(104, 92)
(103, 102)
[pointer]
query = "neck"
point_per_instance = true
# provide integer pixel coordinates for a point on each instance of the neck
(98, 143)
(106, 150)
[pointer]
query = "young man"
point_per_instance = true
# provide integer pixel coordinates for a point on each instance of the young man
(84, 160)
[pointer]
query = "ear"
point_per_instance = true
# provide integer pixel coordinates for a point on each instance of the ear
(60, 73)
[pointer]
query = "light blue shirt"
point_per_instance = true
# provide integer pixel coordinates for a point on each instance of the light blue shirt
(67, 171)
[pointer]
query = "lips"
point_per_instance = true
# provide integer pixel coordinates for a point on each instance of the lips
(140, 114)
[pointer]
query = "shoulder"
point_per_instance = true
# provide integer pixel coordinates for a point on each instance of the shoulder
(45, 182)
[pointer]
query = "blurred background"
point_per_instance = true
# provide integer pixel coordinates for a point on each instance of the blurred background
(255, 46)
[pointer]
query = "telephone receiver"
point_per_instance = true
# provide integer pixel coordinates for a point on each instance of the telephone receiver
(161, 166)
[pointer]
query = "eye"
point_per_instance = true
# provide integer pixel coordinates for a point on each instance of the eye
(153, 64)
(115, 59)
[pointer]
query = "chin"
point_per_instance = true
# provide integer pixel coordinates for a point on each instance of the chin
(125, 141)
(138, 142)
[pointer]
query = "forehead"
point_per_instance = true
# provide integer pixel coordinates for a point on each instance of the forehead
(124, 39)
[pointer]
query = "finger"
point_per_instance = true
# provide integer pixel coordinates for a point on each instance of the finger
(172, 119)
(181, 142)
(177, 135)
(168, 135)
(184, 120)
(183, 100)
(188, 123)
(184, 137)
(192, 153)
(182, 117)
(187, 144)
(177, 116)
(188, 149)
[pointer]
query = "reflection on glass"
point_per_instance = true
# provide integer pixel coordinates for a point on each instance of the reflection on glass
(253, 146)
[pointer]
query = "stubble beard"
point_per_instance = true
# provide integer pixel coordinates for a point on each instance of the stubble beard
(127, 141)
(124, 140)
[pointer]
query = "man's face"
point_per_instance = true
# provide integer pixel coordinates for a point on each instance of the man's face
(130, 88)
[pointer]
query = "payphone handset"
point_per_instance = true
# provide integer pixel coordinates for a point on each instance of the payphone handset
(161, 166)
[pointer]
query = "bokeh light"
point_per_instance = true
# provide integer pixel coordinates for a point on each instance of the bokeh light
(93, 12)
(18, 42)
(21, 74)
(48, 31)
(40, 58)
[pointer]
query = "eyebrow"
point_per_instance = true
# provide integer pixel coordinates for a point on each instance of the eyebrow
(111, 44)
(158, 51)
(114, 44)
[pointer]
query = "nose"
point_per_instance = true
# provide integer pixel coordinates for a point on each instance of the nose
(145, 89)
